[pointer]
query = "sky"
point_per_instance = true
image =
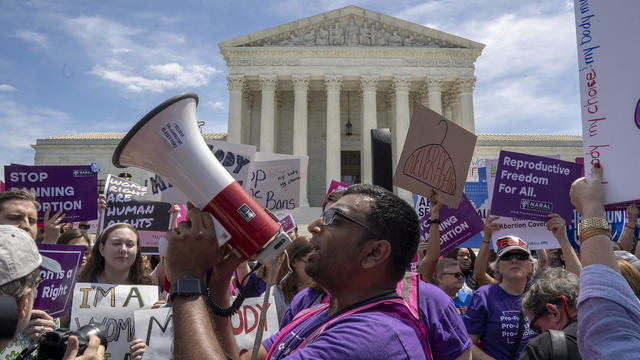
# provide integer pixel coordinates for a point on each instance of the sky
(78, 66)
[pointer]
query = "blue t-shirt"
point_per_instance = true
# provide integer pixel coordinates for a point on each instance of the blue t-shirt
(462, 301)
(446, 333)
(493, 314)
(381, 332)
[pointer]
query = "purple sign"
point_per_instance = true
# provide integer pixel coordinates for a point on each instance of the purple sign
(287, 223)
(531, 187)
(55, 292)
(71, 189)
(458, 225)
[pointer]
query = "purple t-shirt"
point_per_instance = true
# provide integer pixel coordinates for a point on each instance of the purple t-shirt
(446, 333)
(493, 314)
(381, 332)
(303, 300)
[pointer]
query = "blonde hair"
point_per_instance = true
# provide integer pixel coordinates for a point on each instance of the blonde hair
(631, 274)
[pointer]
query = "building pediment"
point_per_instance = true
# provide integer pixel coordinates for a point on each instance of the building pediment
(351, 27)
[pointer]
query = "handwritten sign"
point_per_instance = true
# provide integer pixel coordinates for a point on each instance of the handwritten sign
(235, 158)
(610, 92)
(532, 187)
(127, 204)
(56, 289)
(71, 189)
(112, 306)
(275, 184)
(436, 155)
(155, 328)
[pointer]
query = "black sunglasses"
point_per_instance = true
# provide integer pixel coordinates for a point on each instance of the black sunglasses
(330, 215)
(458, 275)
(517, 255)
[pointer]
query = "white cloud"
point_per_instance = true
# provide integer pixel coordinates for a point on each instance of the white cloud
(7, 87)
(121, 51)
(219, 105)
(33, 38)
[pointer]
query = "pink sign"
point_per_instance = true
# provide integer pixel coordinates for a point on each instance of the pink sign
(287, 223)
(334, 186)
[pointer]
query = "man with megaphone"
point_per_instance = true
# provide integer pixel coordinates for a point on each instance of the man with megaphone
(362, 245)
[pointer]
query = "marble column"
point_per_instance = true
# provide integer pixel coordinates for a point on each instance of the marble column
(447, 105)
(333, 85)
(235, 83)
(369, 85)
(268, 84)
(434, 93)
(465, 85)
(456, 113)
(401, 125)
(247, 121)
(300, 89)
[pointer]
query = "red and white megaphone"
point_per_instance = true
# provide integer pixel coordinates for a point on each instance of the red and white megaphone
(168, 142)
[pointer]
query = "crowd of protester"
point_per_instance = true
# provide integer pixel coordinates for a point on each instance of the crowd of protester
(345, 292)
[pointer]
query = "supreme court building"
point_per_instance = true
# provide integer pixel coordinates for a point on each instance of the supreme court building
(317, 86)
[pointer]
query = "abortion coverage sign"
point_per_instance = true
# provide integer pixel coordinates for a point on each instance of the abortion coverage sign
(112, 306)
(436, 155)
(128, 203)
(55, 291)
(610, 92)
(458, 225)
(532, 187)
(71, 189)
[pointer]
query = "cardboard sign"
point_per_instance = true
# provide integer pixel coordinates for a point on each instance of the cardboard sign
(287, 223)
(71, 189)
(245, 322)
(54, 293)
(610, 92)
(155, 328)
(112, 306)
(532, 187)
(458, 225)
(436, 155)
(127, 204)
(534, 233)
(275, 184)
(235, 158)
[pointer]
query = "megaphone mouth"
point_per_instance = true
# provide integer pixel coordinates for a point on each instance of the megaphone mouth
(123, 143)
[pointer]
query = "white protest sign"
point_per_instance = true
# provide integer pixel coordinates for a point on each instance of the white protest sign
(610, 91)
(235, 158)
(155, 328)
(534, 233)
(245, 322)
(112, 306)
(275, 184)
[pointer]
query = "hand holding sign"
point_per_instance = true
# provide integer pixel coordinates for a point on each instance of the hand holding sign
(52, 226)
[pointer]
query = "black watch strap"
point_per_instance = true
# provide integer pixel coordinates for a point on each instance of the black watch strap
(434, 221)
(186, 286)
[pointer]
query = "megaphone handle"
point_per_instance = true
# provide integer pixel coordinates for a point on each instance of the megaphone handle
(221, 233)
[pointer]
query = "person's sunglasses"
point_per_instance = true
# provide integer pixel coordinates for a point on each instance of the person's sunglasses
(458, 275)
(516, 255)
(330, 215)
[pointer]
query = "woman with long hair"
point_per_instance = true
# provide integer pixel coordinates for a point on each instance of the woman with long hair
(76, 237)
(291, 277)
(466, 259)
(116, 258)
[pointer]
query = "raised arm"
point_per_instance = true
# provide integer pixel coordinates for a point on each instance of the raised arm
(626, 239)
(482, 260)
(428, 263)
(52, 225)
(558, 228)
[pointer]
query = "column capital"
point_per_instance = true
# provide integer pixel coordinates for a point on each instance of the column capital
(300, 82)
(268, 82)
(434, 83)
(333, 82)
(466, 83)
(235, 82)
(369, 83)
(401, 82)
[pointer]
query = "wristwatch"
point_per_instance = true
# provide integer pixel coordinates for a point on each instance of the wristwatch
(593, 226)
(186, 286)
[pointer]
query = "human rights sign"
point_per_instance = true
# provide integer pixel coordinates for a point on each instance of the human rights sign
(71, 189)
(532, 187)
(57, 287)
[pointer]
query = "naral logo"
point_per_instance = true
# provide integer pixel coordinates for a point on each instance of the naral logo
(526, 204)
(82, 173)
(246, 212)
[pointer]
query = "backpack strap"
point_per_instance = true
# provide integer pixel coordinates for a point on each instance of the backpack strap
(516, 345)
(559, 345)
